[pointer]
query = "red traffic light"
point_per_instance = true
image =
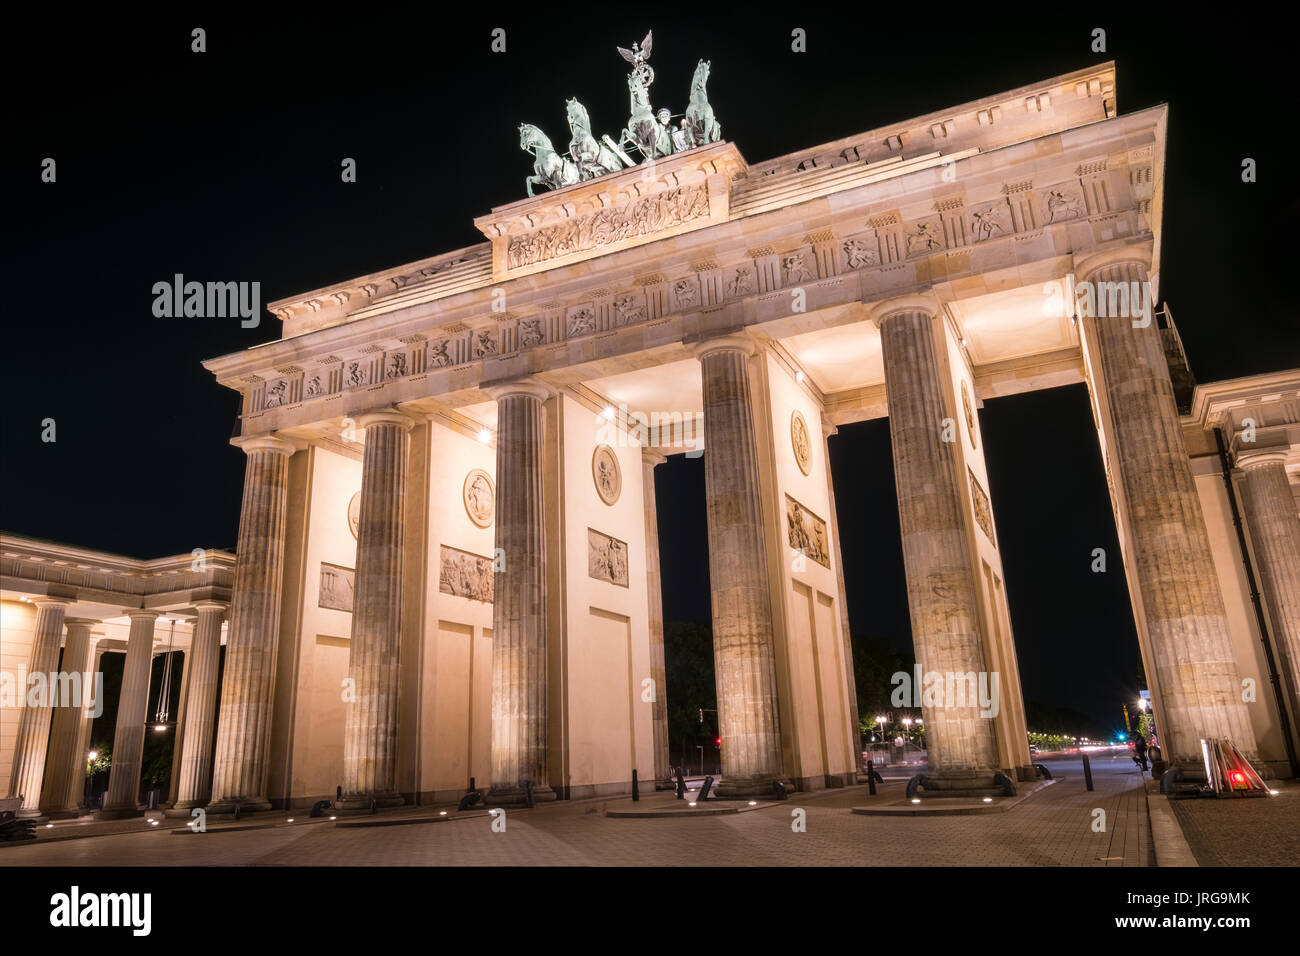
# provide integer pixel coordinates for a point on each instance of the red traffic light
(717, 742)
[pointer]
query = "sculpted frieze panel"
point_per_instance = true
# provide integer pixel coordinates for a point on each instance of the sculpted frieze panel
(983, 510)
(336, 587)
(806, 532)
(642, 217)
(465, 575)
(606, 558)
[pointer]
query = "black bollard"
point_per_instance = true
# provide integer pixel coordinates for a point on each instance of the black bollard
(528, 793)
(871, 777)
(681, 785)
(636, 794)
(471, 785)
(704, 790)
(1087, 772)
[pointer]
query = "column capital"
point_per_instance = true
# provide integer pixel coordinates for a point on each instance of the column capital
(273, 443)
(926, 302)
(385, 416)
(140, 613)
(1085, 267)
(1250, 458)
(651, 458)
(80, 621)
(531, 387)
(729, 341)
(52, 600)
(211, 605)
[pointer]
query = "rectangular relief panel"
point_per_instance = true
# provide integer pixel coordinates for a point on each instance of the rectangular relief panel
(606, 558)
(465, 575)
(807, 532)
(336, 587)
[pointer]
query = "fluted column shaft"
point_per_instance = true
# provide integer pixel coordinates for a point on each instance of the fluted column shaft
(941, 588)
(519, 662)
(1275, 530)
(195, 770)
(244, 721)
(34, 722)
(655, 615)
(744, 657)
(1186, 624)
(370, 731)
(65, 768)
(132, 706)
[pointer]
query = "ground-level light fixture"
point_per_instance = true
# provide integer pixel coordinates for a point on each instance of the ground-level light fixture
(916, 799)
(988, 799)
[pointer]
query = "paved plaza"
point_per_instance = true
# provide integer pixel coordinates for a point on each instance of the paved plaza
(1053, 827)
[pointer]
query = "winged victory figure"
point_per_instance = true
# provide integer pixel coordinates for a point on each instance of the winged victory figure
(638, 56)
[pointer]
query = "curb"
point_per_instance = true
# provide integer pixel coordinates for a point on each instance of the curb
(1168, 844)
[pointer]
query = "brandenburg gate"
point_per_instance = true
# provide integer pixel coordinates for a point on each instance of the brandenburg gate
(448, 561)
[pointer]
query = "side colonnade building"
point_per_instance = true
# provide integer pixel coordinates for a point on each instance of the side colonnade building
(448, 564)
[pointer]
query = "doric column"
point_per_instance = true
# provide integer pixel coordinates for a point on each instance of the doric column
(244, 722)
(850, 679)
(655, 604)
(178, 736)
(744, 656)
(1186, 624)
(132, 706)
(195, 769)
(941, 587)
(1275, 531)
(519, 662)
(370, 732)
(65, 768)
(34, 722)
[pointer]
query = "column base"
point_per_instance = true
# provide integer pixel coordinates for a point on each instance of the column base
(499, 796)
(736, 787)
(362, 802)
(242, 804)
(120, 813)
(182, 808)
(64, 814)
(962, 782)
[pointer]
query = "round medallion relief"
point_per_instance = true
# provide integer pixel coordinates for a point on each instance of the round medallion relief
(801, 443)
(606, 474)
(354, 514)
(970, 413)
(480, 497)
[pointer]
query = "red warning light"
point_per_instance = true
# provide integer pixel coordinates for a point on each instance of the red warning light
(1238, 780)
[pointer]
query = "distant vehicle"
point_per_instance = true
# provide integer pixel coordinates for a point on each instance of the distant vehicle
(1033, 748)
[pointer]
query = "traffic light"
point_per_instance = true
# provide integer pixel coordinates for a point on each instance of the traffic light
(717, 742)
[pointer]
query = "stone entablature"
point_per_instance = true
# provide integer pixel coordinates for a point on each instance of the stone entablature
(1254, 413)
(1033, 202)
(41, 567)
(1053, 106)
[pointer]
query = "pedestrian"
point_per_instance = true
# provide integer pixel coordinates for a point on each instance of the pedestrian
(1140, 752)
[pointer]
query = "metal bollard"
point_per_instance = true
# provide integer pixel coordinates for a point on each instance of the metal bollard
(871, 777)
(636, 794)
(1087, 771)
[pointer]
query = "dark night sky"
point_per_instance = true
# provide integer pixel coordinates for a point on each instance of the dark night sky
(225, 166)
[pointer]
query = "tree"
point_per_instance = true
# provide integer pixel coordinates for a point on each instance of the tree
(688, 660)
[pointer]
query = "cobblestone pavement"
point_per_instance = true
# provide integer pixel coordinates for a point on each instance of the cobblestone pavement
(1245, 831)
(1053, 827)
